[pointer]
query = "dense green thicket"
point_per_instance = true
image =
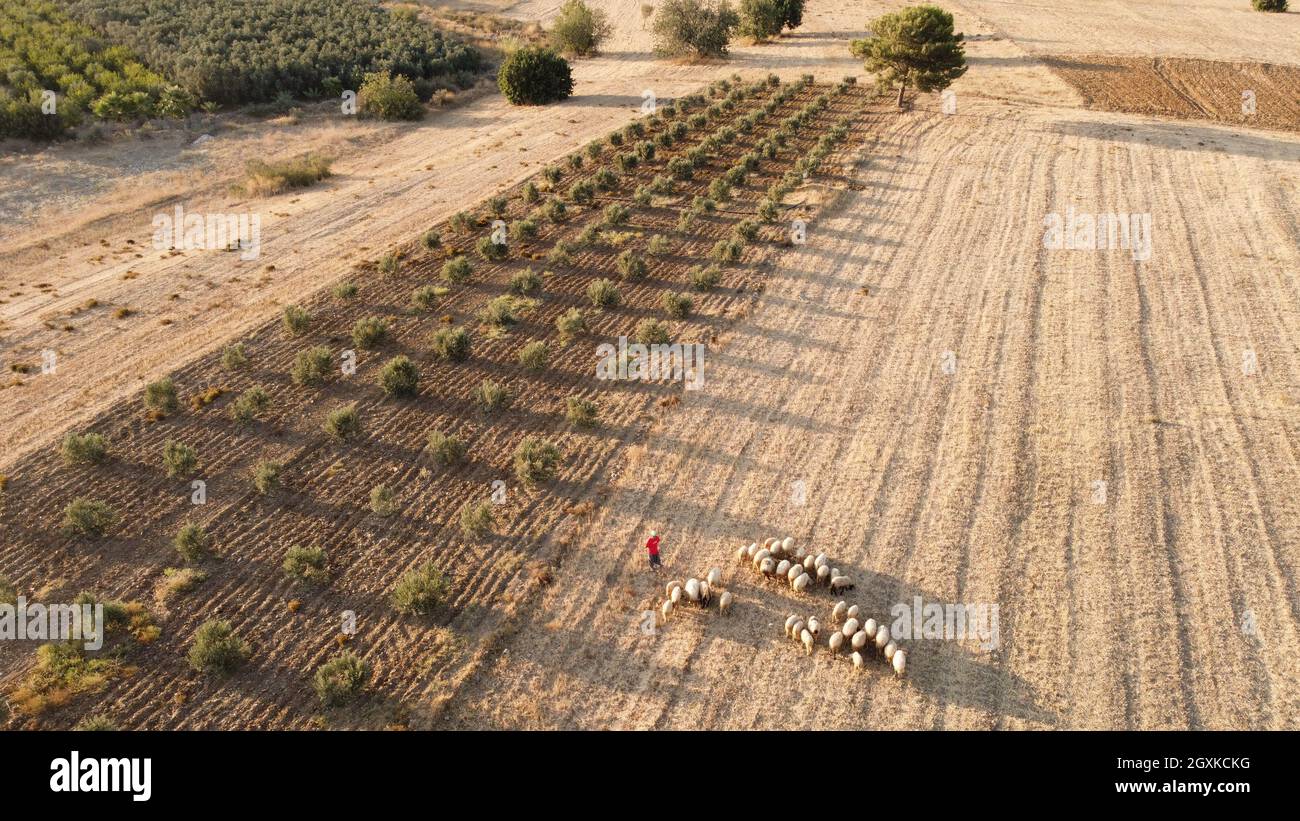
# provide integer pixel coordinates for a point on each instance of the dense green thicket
(42, 49)
(255, 50)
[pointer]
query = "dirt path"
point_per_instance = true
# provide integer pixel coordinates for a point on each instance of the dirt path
(974, 487)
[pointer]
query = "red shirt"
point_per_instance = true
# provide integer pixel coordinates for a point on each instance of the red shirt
(653, 545)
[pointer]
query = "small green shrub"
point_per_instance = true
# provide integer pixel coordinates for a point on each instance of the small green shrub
(502, 311)
(534, 356)
(250, 404)
(399, 377)
(312, 366)
(725, 251)
(234, 357)
(631, 265)
(477, 519)
(87, 517)
(447, 450)
(369, 332)
(345, 291)
(746, 230)
(431, 240)
(581, 413)
(491, 250)
(160, 396)
(383, 500)
(492, 396)
(343, 423)
(461, 222)
(266, 476)
(451, 344)
(389, 264)
(570, 324)
(341, 679)
(536, 460)
(83, 448)
(658, 246)
(216, 649)
(179, 459)
(456, 270)
(651, 332)
(296, 320)
(420, 590)
(603, 293)
(615, 214)
(704, 277)
(561, 254)
(523, 230)
(579, 30)
(425, 298)
(677, 306)
(306, 565)
(582, 192)
(525, 282)
(191, 542)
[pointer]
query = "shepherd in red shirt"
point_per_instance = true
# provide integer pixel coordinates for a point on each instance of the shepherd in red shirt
(652, 547)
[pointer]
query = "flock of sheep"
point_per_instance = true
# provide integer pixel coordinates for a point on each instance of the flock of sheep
(848, 632)
(781, 558)
(696, 591)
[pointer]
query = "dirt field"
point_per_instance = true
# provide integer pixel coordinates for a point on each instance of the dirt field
(1165, 598)
(1187, 89)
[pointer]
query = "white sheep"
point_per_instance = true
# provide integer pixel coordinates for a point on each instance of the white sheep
(857, 660)
(760, 556)
(706, 593)
(796, 629)
(900, 662)
(800, 584)
(666, 610)
(850, 627)
(767, 543)
(742, 553)
(823, 574)
(693, 589)
(783, 568)
(882, 636)
(789, 622)
(793, 573)
(837, 614)
(807, 639)
(724, 602)
(853, 612)
(799, 553)
(675, 596)
(859, 640)
(820, 560)
(841, 583)
(890, 650)
(814, 627)
(752, 550)
(835, 642)
(870, 628)
(809, 564)
(767, 567)
(787, 544)
(668, 588)
(714, 578)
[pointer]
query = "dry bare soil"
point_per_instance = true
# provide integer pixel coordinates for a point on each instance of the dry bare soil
(1167, 600)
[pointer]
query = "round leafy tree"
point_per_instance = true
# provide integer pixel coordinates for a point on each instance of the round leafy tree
(535, 76)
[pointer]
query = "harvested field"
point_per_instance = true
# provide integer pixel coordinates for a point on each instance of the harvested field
(1187, 89)
(327, 484)
(1169, 603)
